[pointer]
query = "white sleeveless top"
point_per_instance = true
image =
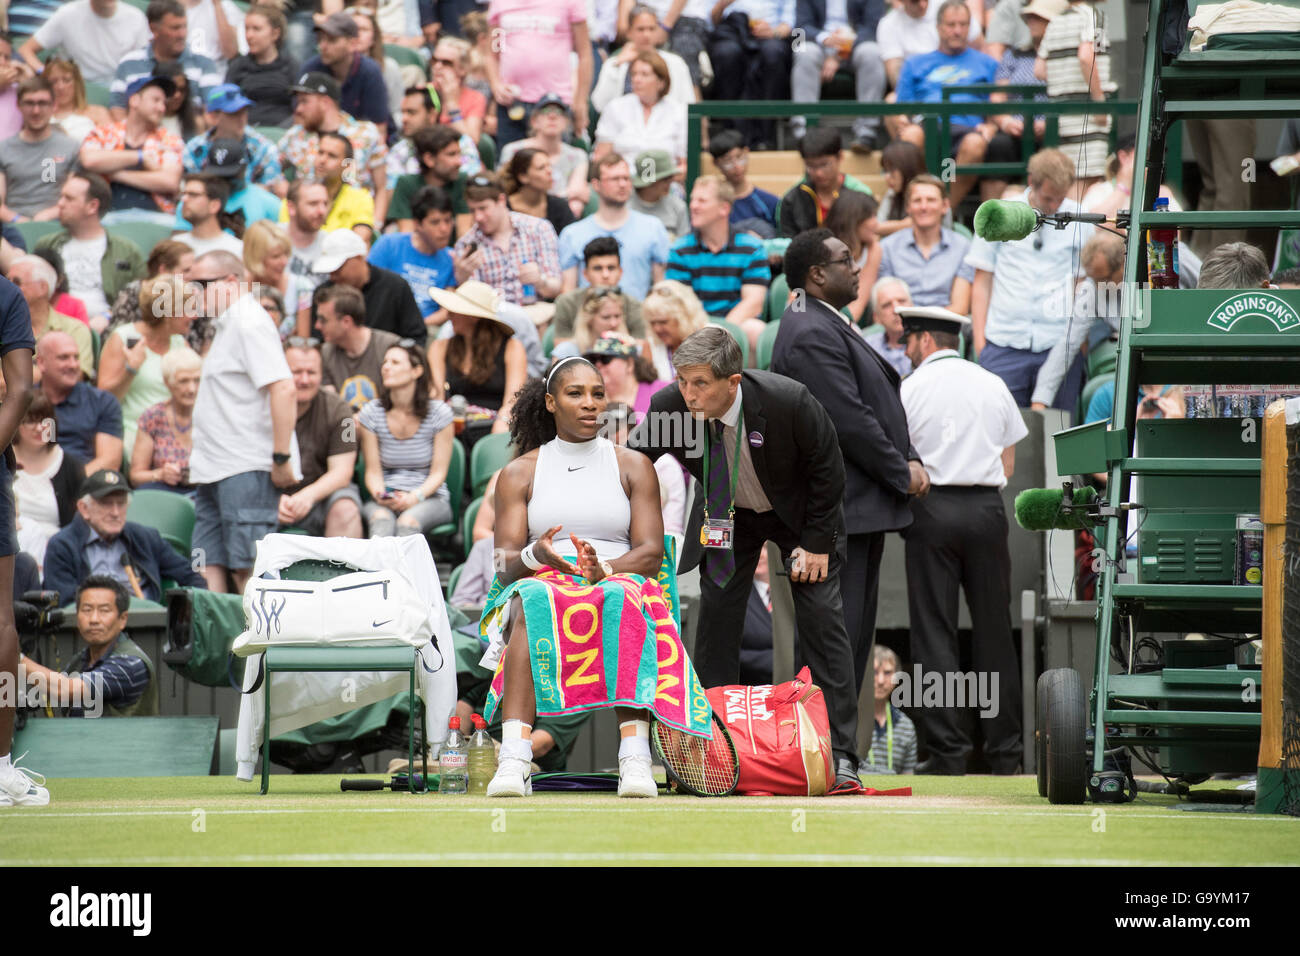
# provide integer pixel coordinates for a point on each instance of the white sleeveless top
(577, 486)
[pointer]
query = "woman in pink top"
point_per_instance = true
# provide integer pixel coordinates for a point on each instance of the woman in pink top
(531, 59)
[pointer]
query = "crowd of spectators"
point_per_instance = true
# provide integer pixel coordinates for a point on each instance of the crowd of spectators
(429, 209)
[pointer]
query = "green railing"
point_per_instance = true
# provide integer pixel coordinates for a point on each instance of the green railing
(935, 118)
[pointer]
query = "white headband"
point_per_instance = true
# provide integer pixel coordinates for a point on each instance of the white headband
(560, 364)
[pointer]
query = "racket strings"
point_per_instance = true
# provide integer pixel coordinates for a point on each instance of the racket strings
(707, 767)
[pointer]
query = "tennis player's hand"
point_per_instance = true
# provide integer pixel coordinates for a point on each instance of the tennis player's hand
(588, 563)
(808, 568)
(544, 551)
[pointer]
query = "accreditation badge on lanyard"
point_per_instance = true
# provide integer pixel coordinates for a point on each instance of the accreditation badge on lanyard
(718, 533)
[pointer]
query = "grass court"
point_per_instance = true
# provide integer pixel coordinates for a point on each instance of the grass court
(306, 820)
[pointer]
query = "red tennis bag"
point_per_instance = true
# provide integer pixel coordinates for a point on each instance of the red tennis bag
(782, 735)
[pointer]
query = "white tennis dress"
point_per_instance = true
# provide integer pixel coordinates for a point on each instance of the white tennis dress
(576, 485)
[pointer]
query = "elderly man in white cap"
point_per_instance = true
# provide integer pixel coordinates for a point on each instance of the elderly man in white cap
(390, 305)
(482, 361)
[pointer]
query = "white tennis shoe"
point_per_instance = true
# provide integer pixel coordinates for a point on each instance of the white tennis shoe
(22, 788)
(635, 778)
(514, 778)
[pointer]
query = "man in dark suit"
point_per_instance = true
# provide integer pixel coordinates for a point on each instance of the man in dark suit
(770, 463)
(818, 346)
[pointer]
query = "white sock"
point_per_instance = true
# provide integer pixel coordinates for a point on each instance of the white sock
(642, 728)
(517, 749)
(515, 730)
(633, 747)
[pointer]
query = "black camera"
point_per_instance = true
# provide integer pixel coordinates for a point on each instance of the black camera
(36, 614)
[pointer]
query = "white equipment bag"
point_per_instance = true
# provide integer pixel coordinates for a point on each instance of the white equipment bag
(351, 610)
(303, 612)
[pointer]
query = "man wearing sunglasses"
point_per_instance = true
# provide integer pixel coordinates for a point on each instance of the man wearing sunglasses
(245, 450)
(818, 346)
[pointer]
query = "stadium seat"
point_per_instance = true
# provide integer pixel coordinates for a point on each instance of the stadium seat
(548, 340)
(765, 343)
(145, 235)
(33, 232)
(168, 513)
(405, 56)
(487, 151)
(1089, 390)
(273, 133)
(467, 523)
(1101, 358)
(961, 229)
(738, 334)
(456, 486)
(453, 579)
(97, 95)
(490, 453)
(777, 295)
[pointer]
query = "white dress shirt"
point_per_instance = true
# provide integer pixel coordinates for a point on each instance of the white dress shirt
(960, 418)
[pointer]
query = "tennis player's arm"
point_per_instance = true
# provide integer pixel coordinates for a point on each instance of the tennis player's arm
(512, 522)
(17, 366)
(646, 533)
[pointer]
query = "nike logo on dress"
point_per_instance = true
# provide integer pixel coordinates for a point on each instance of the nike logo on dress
(381, 623)
(579, 468)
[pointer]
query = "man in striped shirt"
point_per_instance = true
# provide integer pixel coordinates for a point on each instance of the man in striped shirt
(726, 269)
(893, 735)
(111, 674)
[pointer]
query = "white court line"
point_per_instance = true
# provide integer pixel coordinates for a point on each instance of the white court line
(678, 858)
(1171, 814)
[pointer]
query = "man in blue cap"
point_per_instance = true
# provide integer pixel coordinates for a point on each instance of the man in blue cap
(140, 158)
(228, 120)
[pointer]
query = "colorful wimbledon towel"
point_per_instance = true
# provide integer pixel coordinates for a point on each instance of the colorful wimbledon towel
(604, 645)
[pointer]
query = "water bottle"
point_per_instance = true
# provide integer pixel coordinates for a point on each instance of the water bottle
(1162, 253)
(452, 760)
(482, 757)
(529, 293)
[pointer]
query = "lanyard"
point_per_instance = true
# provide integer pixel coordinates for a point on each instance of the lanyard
(735, 469)
(889, 736)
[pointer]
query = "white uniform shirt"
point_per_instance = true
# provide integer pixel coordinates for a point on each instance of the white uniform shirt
(232, 415)
(960, 417)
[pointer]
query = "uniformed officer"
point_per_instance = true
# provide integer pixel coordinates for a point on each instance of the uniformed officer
(964, 425)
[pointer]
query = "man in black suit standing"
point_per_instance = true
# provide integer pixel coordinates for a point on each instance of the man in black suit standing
(769, 461)
(818, 346)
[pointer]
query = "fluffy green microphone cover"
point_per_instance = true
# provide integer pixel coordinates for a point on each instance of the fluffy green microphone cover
(1039, 509)
(1001, 221)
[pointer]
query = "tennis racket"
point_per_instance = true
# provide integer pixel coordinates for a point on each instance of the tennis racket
(705, 768)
